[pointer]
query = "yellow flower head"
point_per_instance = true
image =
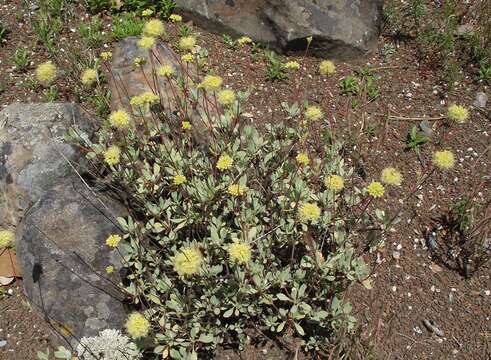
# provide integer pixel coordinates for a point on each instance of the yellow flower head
(137, 325)
(313, 113)
(334, 182)
(244, 40)
(236, 190)
(6, 238)
(327, 67)
(46, 73)
(458, 113)
(106, 55)
(303, 159)
(187, 58)
(444, 159)
(119, 119)
(391, 176)
(179, 179)
(89, 76)
(175, 18)
(309, 212)
(186, 125)
(154, 28)
(375, 189)
(146, 42)
(224, 162)
(188, 261)
(240, 252)
(109, 269)
(187, 43)
(113, 240)
(147, 12)
(147, 97)
(292, 65)
(226, 97)
(138, 61)
(211, 82)
(166, 70)
(112, 155)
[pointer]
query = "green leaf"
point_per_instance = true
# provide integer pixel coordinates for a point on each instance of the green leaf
(206, 338)
(228, 313)
(299, 329)
(282, 297)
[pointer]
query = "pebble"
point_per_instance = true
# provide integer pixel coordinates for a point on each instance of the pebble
(3, 343)
(481, 100)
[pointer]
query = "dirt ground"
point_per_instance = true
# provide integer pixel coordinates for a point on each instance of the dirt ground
(409, 287)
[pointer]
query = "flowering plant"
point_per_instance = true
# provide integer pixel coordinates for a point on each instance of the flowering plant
(246, 227)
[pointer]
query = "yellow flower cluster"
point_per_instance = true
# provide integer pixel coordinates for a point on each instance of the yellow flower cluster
(303, 159)
(226, 97)
(145, 98)
(138, 61)
(166, 70)
(236, 190)
(188, 261)
(224, 162)
(113, 240)
(327, 67)
(46, 73)
(444, 159)
(89, 76)
(175, 18)
(334, 182)
(376, 189)
(146, 42)
(458, 113)
(187, 43)
(109, 269)
(240, 252)
(292, 65)
(147, 12)
(391, 176)
(137, 325)
(6, 238)
(211, 83)
(186, 125)
(119, 119)
(187, 58)
(112, 155)
(154, 28)
(309, 212)
(179, 179)
(244, 40)
(106, 55)
(313, 113)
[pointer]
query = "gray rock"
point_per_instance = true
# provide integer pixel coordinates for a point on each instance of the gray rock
(481, 100)
(340, 28)
(61, 250)
(32, 150)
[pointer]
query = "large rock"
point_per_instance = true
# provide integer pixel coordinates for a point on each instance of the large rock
(33, 155)
(61, 250)
(127, 80)
(340, 28)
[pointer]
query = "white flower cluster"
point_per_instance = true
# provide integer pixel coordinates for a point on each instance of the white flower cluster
(109, 345)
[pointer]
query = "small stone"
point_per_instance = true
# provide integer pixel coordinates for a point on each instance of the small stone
(3, 343)
(481, 100)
